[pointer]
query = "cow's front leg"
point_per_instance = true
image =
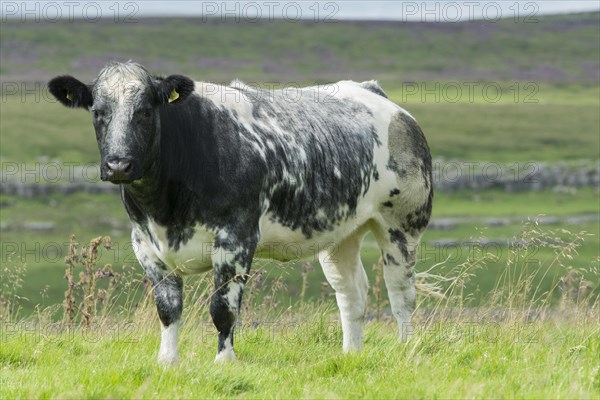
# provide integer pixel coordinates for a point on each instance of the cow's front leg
(231, 263)
(168, 296)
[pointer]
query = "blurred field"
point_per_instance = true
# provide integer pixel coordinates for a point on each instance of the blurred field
(479, 131)
(547, 73)
(89, 216)
(555, 49)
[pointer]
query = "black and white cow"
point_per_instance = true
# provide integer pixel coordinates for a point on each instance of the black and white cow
(255, 174)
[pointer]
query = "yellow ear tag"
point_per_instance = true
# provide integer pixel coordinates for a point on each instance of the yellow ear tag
(174, 96)
(69, 97)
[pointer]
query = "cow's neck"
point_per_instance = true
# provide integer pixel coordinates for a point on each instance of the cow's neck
(174, 180)
(146, 194)
(146, 198)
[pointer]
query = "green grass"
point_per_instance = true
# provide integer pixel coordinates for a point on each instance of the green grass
(282, 359)
(510, 132)
(495, 203)
(54, 133)
(292, 350)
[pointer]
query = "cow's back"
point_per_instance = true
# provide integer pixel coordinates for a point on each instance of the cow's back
(320, 151)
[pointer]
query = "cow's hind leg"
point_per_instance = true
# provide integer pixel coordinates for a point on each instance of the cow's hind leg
(345, 273)
(404, 215)
(398, 250)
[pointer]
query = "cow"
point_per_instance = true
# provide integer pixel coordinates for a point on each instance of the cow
(251, 171)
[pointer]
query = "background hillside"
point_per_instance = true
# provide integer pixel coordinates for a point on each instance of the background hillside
(560, 49)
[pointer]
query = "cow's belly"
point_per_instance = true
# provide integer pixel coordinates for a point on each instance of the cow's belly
(193, 256)
(277, 242)
(281, 243)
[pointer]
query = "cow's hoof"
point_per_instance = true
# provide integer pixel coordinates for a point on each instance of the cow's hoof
(352, 348)
(168, 360)
(225, 356)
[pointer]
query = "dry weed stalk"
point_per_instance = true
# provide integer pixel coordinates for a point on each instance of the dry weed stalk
(377, 287)
(306, 269)
(87, 257)
(11, 280)
(69, 304)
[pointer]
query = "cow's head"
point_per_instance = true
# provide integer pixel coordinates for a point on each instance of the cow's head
(125, 101)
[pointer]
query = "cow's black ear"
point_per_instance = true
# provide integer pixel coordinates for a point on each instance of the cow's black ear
(174, 89)
(71, 92)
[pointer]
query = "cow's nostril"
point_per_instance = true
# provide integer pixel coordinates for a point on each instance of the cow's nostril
(121, 166)
(118, 170)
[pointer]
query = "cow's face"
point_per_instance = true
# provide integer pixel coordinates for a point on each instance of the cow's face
(124, 101)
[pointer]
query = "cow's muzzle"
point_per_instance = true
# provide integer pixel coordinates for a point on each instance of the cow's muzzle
(119, 171)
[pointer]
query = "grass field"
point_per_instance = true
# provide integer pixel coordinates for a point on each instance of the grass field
(304, 360)
(294, 350)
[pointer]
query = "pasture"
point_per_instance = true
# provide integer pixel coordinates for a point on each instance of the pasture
(519, 317)
(302, 360)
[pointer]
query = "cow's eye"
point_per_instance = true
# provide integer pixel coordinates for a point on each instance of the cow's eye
(98, 114)
(146, 112)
